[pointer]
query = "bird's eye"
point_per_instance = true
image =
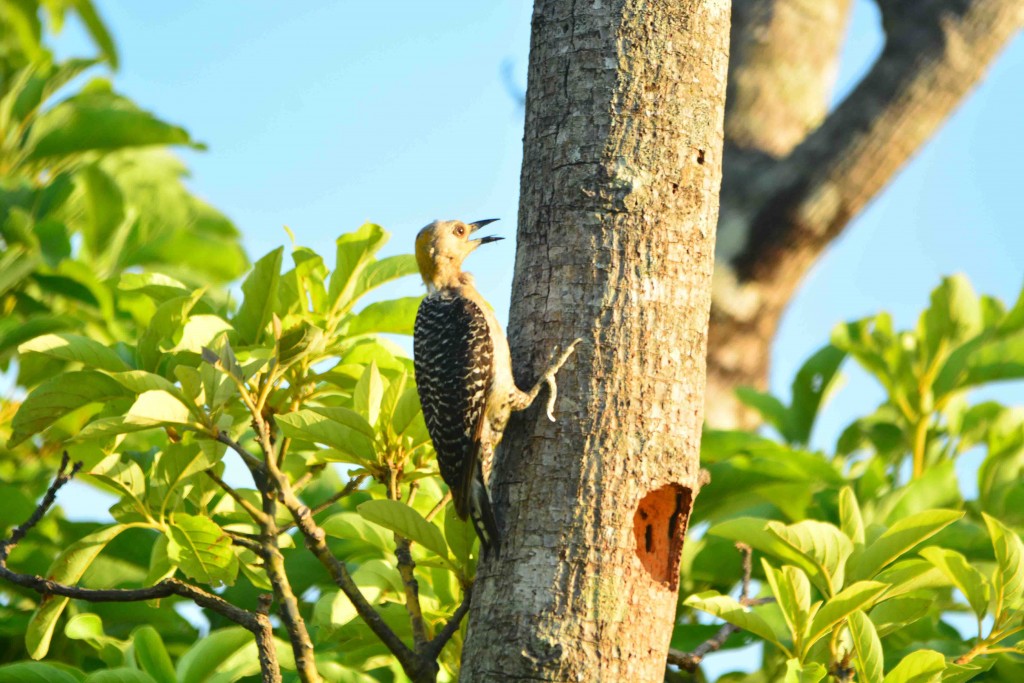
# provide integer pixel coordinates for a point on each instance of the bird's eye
(460, 231)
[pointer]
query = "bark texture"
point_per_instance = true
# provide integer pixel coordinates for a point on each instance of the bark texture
(791, 186)
(621, 172)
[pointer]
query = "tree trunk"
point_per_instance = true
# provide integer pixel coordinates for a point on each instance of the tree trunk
(791, 186)
(621, 171)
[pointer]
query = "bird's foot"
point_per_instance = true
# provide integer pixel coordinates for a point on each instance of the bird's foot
(549, 377)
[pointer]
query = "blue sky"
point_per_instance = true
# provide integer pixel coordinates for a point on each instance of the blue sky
(321, 116)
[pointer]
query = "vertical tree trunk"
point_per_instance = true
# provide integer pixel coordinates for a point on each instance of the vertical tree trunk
(621, 172)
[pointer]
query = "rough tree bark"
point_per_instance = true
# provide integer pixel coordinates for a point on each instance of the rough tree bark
(621, 171)
(790, 185)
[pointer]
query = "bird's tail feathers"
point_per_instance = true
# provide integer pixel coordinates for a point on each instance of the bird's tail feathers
(482, 515)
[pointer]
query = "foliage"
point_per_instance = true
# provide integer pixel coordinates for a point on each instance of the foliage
(89, 191)
(154, 426)
(872, 553)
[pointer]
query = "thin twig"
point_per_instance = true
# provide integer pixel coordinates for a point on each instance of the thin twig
(440, 506)
(257, 516)
(407, 570)
(63, 477)
(349, 488)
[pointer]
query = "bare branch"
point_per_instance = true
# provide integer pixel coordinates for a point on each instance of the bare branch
(935, 52)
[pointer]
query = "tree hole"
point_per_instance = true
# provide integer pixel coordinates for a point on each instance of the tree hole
(700, 157)
(659, 526)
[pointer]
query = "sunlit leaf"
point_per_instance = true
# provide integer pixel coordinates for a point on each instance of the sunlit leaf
(923, 666)
(402, 519)
(726, 608)
(201, 549)
(74, 347)
(902, 536)
(867, 645)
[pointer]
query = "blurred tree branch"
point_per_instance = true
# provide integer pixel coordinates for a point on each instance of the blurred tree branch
(791, 186)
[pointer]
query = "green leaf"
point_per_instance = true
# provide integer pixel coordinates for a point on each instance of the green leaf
(811, 387)
(771, 409)
(156, 286)
(97, 30)
(201, 331)
(68, 569)
(1008, 579)
(867, 645)
(339, 428)
(459, 534)
(752, 531)
(105, 213)
(898, 539)
(368, 394)
(355, 250)
(152, 656)
(177, 463)
(374, 579)
(208, 653)
(260, 293)
(895, 614)
(201, 549)
(86, 626)
(858, 596)
(850, 519)
(351, 526)
(404, 520)
(385, 270)
(394, 316)
(59, 396)
(823, 545)
(159, 408)
(961, 673)
(726, 608)
(99, 121)
(803, 673)
(121, 675)
(966, 578)
(118, 475)
(299, 342)
(34, 672)
(907, 576)
(923, 666)
(792, 592)
(72, 347)
(953, 317)
(140, 382)
(160, 565)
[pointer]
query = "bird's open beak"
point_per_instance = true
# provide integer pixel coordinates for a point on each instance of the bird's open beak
(473, 227)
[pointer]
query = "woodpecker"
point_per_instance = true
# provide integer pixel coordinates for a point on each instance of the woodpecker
(464, 371)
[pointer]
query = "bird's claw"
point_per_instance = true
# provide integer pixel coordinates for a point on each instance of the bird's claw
(549, 377)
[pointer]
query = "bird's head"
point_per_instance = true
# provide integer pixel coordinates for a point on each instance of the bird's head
(441, 247)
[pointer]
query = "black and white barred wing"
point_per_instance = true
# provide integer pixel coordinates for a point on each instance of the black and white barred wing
(453, 352)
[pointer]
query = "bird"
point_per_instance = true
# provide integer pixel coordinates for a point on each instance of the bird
(463, 371)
